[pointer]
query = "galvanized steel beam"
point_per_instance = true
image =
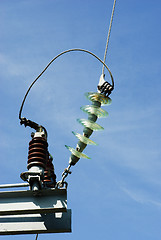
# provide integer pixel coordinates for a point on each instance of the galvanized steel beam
(31, 202)
(36, 223)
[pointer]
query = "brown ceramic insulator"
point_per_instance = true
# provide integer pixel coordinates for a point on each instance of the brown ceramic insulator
(38, 152)
(49, 175)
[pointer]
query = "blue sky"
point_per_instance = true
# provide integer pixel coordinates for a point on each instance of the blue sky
(115, 195)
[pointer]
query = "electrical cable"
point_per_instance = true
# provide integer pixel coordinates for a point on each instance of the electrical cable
(108, 37)
(36, 236)
(67, 51)
(104, 88)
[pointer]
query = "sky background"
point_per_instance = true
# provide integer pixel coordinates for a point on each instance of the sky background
(115, 195)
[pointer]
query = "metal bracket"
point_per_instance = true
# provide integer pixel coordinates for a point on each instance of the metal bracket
(22, 212)
(36, 223)
(25, 202)
(34, 179)
(104, 87)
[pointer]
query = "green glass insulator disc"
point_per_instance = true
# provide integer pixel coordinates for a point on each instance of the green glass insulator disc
(76, 153)
(89, 124)
(84, 139)
(99, 112)
(94, 96)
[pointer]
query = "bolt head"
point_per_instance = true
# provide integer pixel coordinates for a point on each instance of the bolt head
(32, 134)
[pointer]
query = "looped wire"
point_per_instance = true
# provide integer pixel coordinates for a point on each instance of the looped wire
(62, 53)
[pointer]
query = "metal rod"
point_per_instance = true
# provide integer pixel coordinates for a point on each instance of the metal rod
(14, 185)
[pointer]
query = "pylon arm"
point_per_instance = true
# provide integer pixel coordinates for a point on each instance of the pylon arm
(36, 223)
(25, 202)
(43, 211)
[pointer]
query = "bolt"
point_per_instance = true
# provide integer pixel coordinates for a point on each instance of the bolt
(32, 134)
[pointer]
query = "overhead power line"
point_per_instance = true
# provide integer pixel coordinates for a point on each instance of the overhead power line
(108, 37)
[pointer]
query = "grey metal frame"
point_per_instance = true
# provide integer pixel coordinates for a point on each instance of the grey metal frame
(42, 211)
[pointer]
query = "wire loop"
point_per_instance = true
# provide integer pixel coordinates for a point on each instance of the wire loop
(67, 51)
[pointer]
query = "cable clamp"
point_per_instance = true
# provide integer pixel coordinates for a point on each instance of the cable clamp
(104, 87)
(26, 122)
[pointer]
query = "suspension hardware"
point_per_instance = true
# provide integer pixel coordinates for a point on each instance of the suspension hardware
(104, 87)
(94, 111)
(61, 183)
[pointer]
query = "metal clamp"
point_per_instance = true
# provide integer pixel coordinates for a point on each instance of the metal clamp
(104, 87)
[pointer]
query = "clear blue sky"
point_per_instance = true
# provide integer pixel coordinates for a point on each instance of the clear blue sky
(115, 195)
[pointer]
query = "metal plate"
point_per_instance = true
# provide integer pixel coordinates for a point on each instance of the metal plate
(26, 202)
(36, 223)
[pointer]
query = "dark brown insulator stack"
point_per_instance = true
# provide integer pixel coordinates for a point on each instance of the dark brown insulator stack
(38, 152)
(49, 175)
